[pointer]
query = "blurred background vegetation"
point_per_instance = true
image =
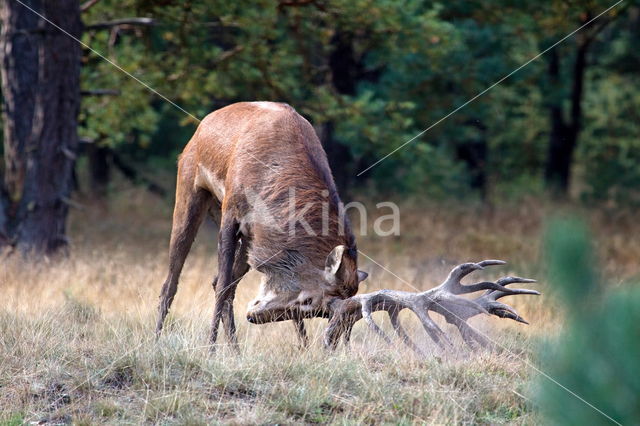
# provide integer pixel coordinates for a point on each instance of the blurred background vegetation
(369, 74)
(372, 74)
(596, 355)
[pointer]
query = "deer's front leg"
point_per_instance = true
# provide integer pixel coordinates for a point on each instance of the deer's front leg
(240, 268)
(344, 313)
(225, 285)
(301, 332)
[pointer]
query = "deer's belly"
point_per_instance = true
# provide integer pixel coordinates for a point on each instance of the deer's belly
(208, 180)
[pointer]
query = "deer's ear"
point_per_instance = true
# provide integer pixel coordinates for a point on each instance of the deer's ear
(334, 260)
(362, 275)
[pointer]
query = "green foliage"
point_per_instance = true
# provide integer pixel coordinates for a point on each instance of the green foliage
(377, 72)
(597, 355)
(570, 260)
(15, 419)
(127, 117)
(610, 152)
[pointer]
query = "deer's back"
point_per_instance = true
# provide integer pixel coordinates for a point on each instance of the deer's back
(265, 164)
(252, 145)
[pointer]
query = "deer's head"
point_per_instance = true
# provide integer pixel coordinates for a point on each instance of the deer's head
(305, 291)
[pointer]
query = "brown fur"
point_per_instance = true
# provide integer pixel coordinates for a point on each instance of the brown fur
(249, 151)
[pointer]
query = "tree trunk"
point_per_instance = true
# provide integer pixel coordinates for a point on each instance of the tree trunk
(4, 206)
(474, 152)
(99, 169)
(40, 68)
(19, 59)
(564, 135)
(338, 155)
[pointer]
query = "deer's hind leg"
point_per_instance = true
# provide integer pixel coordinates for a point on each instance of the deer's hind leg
(190, 208)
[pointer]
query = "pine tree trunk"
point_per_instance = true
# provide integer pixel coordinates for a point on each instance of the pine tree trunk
(4, 233)
(19, 49)
(40, 68)
(99, 169)
(564, 134)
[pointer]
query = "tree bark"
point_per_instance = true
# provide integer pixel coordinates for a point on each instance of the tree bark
(99, 169)
(19, 58)
(346, 70)
(474, 153)
(40, 67)
(338, 155)
(564, 133)
(4, 204)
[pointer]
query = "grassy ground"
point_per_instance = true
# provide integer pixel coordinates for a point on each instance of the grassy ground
(76, 336)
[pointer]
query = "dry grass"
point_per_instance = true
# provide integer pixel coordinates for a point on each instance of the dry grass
(76, 336)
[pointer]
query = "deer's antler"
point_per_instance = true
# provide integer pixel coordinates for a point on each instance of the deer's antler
(443, 299)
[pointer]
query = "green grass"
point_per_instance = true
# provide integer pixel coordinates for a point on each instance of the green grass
(77, 342)
(55, 367)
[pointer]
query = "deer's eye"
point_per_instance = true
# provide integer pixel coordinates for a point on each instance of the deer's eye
(307, 301)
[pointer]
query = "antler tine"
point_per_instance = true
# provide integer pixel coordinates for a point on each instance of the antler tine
(366, 314)
(511, 280)
(489, 299)
(395, 322)
(491, 286)
(432, 329)
(449, 304)
(484, 285)
(491, 262)
(505, 311)
(490, 303)
(495, 295)
(469, 335)
(505, 281)
(460, 272)
(453, 285)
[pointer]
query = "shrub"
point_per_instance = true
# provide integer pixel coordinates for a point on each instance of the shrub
(596, 356)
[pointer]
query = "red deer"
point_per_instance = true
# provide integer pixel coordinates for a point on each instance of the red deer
(256, 165)
(253, 166)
